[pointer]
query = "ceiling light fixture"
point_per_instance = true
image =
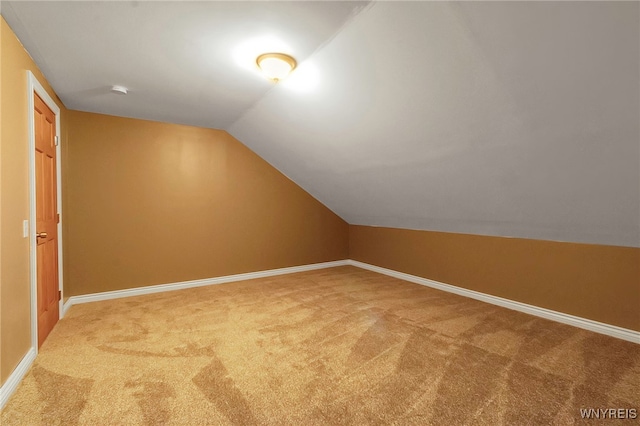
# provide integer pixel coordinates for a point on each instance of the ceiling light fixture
(120, 90)
(275, 66)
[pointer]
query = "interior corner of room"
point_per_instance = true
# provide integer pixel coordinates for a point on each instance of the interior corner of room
(148, 205)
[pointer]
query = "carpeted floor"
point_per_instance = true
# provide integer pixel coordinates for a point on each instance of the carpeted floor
(334, 346)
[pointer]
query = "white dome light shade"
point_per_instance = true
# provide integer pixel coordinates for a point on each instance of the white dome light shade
(276, 66)
(120, 90)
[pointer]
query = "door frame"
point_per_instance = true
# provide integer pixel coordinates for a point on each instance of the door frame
(34, 87)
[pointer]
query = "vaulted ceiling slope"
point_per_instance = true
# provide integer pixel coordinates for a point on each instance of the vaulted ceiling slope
(500, 118)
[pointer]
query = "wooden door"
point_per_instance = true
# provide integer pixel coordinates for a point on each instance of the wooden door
(46, 218)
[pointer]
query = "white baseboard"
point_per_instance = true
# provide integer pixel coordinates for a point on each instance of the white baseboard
(107, 295)
(16, 377)
(587, 324)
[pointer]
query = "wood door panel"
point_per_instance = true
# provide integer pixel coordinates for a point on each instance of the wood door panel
(42, 304)
(49, 169)
(51, 270)
(39, 188)
(49, 132)
(46, 219)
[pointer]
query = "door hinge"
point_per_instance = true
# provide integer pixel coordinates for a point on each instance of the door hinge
(58, 218)
(56, 140)
(59, 294)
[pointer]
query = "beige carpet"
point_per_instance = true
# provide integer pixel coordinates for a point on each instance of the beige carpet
(334, 346)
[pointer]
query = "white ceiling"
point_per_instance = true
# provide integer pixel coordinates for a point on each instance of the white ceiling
(500, 118)
(178, 59)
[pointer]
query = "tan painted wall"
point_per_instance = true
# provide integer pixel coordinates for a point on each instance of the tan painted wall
(153, 203)
(597, 282)
(15, 337)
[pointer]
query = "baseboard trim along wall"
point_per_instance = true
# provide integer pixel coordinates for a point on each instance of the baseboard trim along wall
(7, 389)
(587, 324)
(16, 377)
(107, 295)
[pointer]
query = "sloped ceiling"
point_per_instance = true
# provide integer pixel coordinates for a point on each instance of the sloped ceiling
(501, 118)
